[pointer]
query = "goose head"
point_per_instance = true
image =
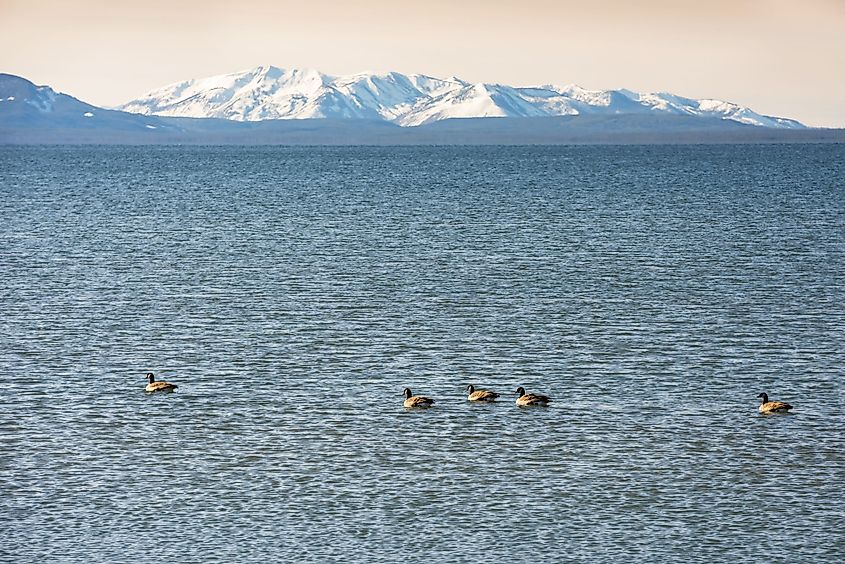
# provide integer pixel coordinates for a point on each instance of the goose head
(151, 377)
(407, 392)
(520, 391)
(764, 396)
(470, 389)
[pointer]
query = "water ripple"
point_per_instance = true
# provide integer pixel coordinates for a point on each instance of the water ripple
(292, 293)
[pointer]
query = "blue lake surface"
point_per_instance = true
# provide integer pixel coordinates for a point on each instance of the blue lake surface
(292, 293)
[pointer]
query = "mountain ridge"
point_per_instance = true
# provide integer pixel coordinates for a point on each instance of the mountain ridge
(38, 115)
(269, 92)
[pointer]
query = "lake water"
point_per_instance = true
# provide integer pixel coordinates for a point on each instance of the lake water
(292, 293)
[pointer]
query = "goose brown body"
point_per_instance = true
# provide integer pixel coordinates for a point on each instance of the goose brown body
(416, 401)
(154, 386)
(480, 395)
(767, 406)
(530, 399)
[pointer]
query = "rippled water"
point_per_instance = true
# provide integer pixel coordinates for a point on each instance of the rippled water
(292, 293)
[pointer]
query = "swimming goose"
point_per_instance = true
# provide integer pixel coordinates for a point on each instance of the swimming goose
(767, 406)
(154, 386)
(480, 395)
(530, 399)
(416, 401)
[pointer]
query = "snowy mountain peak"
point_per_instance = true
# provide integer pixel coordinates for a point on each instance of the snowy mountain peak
(268, 92)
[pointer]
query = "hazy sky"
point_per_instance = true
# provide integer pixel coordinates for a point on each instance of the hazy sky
(779, 57)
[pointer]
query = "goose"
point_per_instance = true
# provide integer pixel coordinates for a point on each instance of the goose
(154, 386)
(416, 401)
(480, 395)
(767, 406)
(530, 399)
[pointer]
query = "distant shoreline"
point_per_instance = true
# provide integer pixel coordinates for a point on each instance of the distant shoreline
(617, 130)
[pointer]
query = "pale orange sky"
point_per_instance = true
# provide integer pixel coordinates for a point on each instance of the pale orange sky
(779, 57)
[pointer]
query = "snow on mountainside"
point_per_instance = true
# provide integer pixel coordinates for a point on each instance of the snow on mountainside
(28, 96)
(267, 92)
(24, 104)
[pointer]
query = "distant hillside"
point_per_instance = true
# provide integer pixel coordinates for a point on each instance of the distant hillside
(39, 113)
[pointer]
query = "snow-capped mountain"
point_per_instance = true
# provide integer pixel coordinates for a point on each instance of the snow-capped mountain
(268, 92)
